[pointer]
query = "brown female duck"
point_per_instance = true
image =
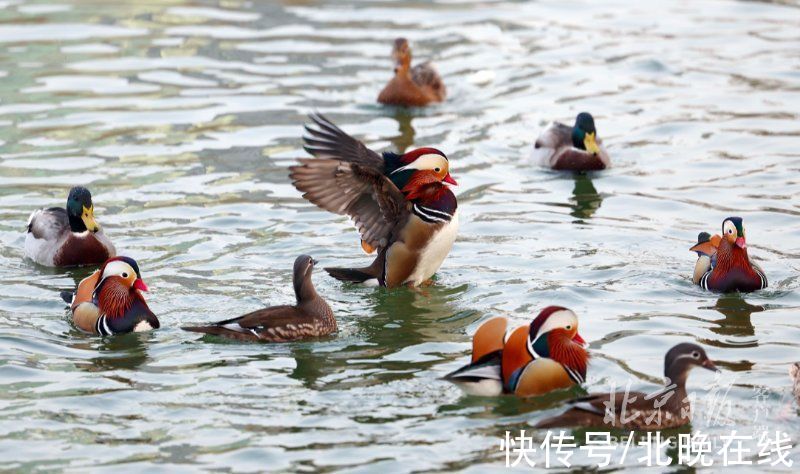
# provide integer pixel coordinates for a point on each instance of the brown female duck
(310, 317)
(411, 87)
(667, 408)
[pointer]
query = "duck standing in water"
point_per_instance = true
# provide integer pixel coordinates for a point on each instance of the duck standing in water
(110, 301)
(530, 360)
(411, 87)
(576, 148)
(64, 237)
(668, 408)
(722, 262)
(310, 317)
(401, 204)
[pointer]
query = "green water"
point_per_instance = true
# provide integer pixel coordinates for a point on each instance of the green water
(182, 119)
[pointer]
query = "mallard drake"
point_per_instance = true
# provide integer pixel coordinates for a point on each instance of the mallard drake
(411, 87)
(666, 408)
(109, 301)
(401, 204)
(310, 317)
(59, 237)
(530, 360)
(722, 261)
(576, 148)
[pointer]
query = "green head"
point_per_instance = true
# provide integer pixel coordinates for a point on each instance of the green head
(584, 135)
(80, 210)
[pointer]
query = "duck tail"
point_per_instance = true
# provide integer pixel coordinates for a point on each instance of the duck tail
(359, 275)
(67, 296)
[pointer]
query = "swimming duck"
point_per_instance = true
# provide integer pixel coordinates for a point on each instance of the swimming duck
(109, 301)
(401, 204)
(59, 237)
(531, 360)
(722, 262)
(794, 373)
(667, 408)
(310, 317)
(576, 148)
(411, 87)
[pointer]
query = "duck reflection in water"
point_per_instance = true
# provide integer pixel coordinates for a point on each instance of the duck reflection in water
(406, 138)
(585, 199)
(120, 351)
(737, 313)
(382, 342)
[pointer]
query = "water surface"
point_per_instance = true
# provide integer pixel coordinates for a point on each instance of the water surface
(182, 117)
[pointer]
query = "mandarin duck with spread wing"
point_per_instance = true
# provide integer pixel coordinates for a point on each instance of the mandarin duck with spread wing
(401, 204)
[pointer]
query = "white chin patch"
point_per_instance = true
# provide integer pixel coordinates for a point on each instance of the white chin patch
(142, 327)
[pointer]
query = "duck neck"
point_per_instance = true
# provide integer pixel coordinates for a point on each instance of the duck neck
(115, 298)
(76, 224)
(730, 256)
(304, 290)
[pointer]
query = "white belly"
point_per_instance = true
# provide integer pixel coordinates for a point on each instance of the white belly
(435, 252)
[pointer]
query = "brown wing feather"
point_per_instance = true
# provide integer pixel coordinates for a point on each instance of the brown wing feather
(426, 75)
(273, 324)
(347, 178)
(329, 141)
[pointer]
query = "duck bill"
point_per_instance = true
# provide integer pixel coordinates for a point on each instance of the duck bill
(140, 285)
(710, 365)
(741, 243)
(590, 142)
(449, 180)
(578, 339)
(88, 219)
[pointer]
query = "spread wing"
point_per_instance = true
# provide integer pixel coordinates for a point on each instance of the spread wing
(48, 224)
(347, 178)
(329, 141)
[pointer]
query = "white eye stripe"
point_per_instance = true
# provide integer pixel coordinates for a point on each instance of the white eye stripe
(425, 162)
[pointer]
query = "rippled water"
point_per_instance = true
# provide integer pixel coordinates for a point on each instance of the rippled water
(182, 120)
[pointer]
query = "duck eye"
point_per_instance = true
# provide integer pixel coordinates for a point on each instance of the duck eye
(696, 355)
(569, 326)
(124, 274)
(437, 169)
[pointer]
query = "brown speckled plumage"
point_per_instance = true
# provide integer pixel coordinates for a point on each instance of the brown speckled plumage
(310, 317)
(668, 408)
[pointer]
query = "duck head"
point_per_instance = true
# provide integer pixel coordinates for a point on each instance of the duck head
(301, 278)
(401, 53)
(80, 210)
(552, 334)
(119, 286)
(733, 232)
(584, 135)
(419, 168)
(683, 358)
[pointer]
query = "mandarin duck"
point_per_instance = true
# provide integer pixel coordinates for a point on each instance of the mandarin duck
(722, 261)
(794, 373)
(576, 148)
(310, 317)
(59, 237)
(411, 87)
(667, 408)
(109, 301)
(401, 204)
(530, 360)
